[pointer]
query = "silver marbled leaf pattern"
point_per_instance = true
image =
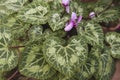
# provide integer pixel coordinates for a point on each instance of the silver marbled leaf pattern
(65, 58)
(92, 33)
(106, 66)
(113, 39)
(34, 65)
(35, 13)
(8, 56)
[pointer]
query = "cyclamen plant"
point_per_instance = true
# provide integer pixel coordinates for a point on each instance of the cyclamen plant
(57, 39)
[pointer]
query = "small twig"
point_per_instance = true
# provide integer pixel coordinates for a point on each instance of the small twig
(10, 78)
(19, 55)
(16, 46)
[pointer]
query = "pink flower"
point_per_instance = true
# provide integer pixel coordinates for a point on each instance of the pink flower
(66, 3)
(74, 21)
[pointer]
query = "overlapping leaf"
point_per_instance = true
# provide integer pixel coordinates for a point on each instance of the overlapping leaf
(76, 7)
(105, 67)
(33, 63)
(8, 57)
(65, 58)
(19, 30)
(92, 33)
(35, 13)
(57, 20)
(88, 70)
(8, 7)
(35, 32)
(113, 39)
(107, 16)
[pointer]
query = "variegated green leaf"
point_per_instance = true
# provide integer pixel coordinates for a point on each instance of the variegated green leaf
(49, 33)
(76, 7)
(35, 13)
(57, 22)
(18, 30)
(56, 6)
(10, 6)
(113, 39)
(92, 33)
(107, 16)
(35, 32)
(33, 63)
(87, 71)
(105, 67)
(65, 58)
(8, 57)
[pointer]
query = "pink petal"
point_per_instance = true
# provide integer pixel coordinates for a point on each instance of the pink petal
(119, 27)
(92, 14)
(69, 26)
(67, 9)
(65, 2)
(79, 19)
(73, 16)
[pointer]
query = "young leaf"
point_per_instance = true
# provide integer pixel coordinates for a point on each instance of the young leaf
(35, 32)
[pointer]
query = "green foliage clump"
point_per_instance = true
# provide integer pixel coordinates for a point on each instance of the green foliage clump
(32, 38)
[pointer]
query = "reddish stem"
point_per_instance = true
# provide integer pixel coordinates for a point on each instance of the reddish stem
(10, 78)
(17, 46)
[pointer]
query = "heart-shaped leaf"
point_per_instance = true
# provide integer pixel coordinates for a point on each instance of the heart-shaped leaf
(8, 7)
(33, 63)
(113, 39)
(92, 33)
(8, 57)
(105, 67)
(35, 13)
(88, 70)
(65, 58)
